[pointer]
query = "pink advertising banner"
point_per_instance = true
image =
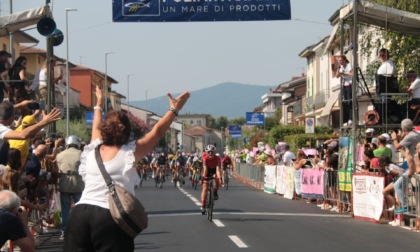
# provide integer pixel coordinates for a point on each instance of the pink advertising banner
(312, 181)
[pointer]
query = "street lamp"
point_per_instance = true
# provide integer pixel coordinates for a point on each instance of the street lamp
(147, 90)
(106, 82)
(128, 92)
(67, 74)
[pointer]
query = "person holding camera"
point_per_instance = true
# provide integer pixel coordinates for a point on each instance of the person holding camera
(13, 222)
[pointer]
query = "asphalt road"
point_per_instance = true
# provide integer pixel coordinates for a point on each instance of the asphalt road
(249, 219)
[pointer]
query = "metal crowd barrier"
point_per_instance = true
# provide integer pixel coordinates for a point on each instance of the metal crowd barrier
(249, 171)
(331, 192)
(412, 197)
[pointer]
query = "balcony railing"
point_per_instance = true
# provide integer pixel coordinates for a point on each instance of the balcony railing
(320, 99)
(308, 104)
(297, 108)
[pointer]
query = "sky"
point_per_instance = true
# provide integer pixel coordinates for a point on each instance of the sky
(156, 58)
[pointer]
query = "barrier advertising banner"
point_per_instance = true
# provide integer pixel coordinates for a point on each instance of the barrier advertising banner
(367, 196)
(199, 10)
(280, 180)
(345, 165)
(290, 182)
(312, 183)
(270, 179)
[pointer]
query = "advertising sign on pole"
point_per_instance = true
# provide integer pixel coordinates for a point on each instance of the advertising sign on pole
(255, 118)
(235, 131)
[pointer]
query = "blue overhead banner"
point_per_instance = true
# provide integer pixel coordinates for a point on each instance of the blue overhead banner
(254, 118)
(235, 131)
(199, 10)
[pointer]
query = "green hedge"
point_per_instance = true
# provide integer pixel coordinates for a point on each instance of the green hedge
(302, 140)
(296, 137)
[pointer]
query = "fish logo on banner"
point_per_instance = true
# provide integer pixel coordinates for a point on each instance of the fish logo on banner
(141, 7)
(200, 10)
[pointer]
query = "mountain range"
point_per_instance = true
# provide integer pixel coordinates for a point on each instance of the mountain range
(228, 99)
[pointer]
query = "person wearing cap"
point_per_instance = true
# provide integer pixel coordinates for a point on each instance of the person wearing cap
(7, 116)
(261, 159)
(288, 156)
(408, 138)
(382, 149)
(389, 144)
(23, 145)
(4, 72)
(70, 183)
(270, 159)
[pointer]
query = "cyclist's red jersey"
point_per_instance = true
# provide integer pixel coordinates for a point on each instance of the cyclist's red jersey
(226, 160)
(211, 163)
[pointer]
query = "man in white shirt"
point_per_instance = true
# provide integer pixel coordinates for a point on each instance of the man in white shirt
(387, 67)
(288, 155)
(414, 91)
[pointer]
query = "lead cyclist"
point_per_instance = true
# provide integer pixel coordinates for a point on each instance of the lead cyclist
(211, 167)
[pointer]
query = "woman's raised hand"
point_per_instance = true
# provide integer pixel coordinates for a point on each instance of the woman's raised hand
(178, 103)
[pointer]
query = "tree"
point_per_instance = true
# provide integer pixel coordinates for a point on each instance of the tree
(138, 126)
(404, 49)
(278, 115)
(238, 121)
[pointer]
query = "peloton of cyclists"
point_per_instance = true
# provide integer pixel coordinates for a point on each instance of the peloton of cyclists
(211, 167)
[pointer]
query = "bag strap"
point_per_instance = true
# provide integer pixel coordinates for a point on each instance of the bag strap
(111, 187)
(109, 183)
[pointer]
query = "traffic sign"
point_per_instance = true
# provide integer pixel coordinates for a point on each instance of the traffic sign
(310, 125)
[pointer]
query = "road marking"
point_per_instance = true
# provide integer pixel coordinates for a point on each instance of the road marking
(218, 223)
(254, 213)
(238, 241)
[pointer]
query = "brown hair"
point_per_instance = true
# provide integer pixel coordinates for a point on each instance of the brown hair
(343, 57)
(301, 154)
(116, 129)
(10, 181)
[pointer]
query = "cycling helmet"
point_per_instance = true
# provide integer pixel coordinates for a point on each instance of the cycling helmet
(210, 148)
(73, 141)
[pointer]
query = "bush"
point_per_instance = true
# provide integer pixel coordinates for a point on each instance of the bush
(296, 137)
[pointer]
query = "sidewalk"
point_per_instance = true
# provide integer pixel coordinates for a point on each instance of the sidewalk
(49, 241)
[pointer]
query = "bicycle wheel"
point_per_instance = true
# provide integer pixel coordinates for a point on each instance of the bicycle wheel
(226, 181)
(196, 181)
(175, 179)
(180, 179)
(160, 181)
(210, 205)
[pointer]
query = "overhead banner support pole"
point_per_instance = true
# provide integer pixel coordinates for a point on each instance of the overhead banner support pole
(354, 86)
